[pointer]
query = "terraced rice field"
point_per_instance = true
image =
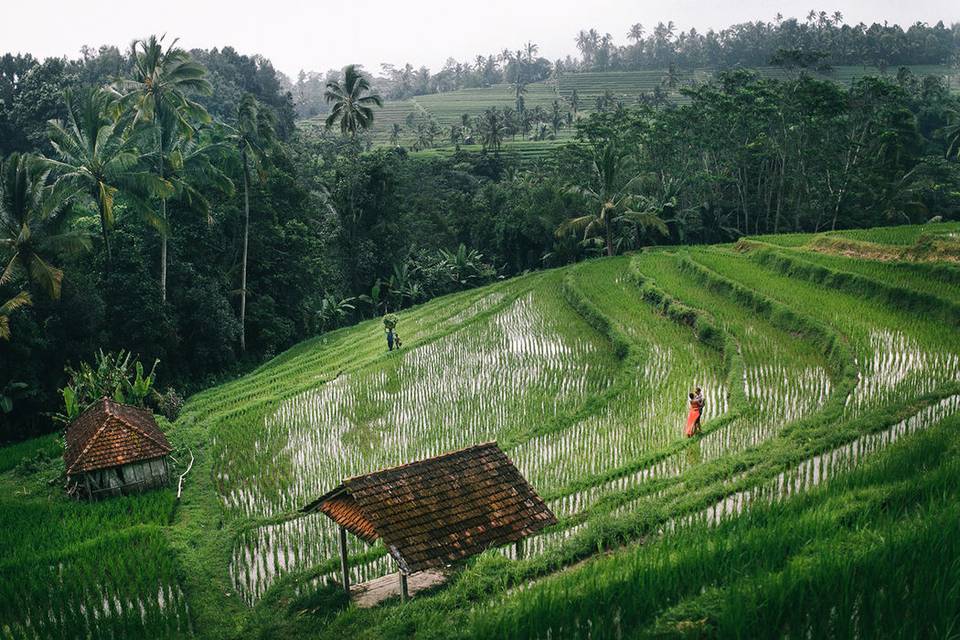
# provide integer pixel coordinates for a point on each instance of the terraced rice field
(447, 108)
(581, 375)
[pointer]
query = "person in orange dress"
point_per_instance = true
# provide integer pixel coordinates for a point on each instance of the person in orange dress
(693, 418)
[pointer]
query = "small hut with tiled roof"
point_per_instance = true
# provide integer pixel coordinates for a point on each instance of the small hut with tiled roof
(114, 448)
(435, 512)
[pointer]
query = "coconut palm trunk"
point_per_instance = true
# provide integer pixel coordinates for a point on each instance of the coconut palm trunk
(163, 216)
(163, 250)
(246, 241)
(609, 236)
(161, 80)
(106, 236)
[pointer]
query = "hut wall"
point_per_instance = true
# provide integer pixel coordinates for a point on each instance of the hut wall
(125, 479)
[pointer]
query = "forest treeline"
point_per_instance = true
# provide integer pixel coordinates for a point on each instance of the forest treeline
(164, 202)
(662, 46)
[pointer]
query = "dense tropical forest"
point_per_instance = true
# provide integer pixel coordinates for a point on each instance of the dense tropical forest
(166, 203)
(820, 36)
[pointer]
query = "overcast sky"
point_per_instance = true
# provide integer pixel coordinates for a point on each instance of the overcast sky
(320, 34)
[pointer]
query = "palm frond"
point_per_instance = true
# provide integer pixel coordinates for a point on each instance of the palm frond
(13, 267)
(45, 275)
(574, 225)
(647, 220)
(20, 300)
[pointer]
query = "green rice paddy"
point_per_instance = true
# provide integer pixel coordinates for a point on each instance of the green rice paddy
(448, 108)
(820, 499)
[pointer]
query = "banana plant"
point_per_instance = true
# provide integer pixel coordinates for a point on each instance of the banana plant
(142, 385)
(119, 376)
(71, 406)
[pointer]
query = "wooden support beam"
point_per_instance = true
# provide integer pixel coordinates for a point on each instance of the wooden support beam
(518, 546)
(404, 593)
(344, 565)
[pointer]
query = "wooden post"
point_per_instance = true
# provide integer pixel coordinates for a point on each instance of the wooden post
(518, 546)
(344, 565)
(404, 594)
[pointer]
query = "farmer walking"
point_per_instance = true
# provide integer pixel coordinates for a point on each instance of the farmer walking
(390, 326)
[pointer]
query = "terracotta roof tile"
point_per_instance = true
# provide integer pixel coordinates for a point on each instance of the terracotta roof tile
(110, 434)
(439, 510)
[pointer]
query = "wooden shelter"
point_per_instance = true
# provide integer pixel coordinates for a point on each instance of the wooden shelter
(113, 449)
(435, 512)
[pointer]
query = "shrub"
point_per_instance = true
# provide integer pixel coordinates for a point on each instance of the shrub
(169, 404)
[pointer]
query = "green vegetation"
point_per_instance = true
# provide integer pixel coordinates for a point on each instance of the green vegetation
(628, 87)
(73, 568)
(792, 504)
(172, 189)
(880, 541)
(164, 206)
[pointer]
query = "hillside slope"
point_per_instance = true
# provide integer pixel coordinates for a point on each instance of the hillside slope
(447, 108)
(833, 389)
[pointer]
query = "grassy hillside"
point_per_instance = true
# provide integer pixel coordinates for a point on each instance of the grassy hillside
(820, 498)
(447, 108)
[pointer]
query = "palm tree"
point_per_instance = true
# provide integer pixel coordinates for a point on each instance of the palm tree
(574, 101)
(951, 133)
(587, 42)
(95, 157)
(672, 77)
(519, 88)
(636, 34)
(612, 196)
(508, 122)
(456, 136)
(395, 134)
(492, 127)
(31, 216)
(531, 50)
(352, 101)
(157, 95)
(556, 116)
(556, 73)
(255, 138)
(192, 168)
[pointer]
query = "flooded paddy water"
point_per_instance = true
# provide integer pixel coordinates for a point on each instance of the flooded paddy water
(822, 467)
(523, 366)
(519, 367)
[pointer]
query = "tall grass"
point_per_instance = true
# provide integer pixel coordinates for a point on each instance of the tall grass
(873, 554)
